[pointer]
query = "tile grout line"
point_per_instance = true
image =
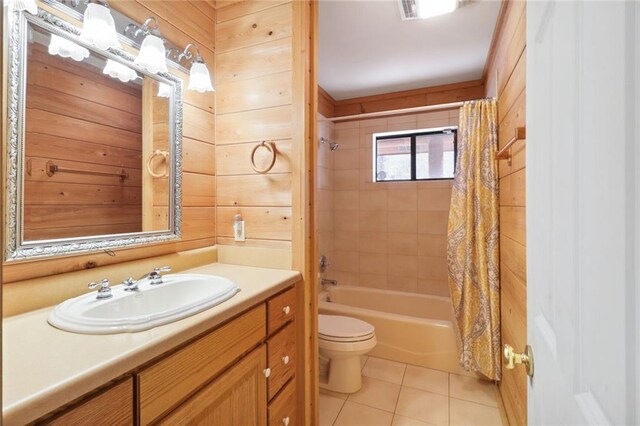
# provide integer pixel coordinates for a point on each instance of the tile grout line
(395, 408)
(344, 401)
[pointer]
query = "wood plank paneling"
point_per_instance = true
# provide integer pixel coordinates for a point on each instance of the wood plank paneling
(258, 93)
(434, 95)
(62, 193)
(504, 77)
(236, 159)
(198, 124)
(241, 8)
(67, 216)
(198, 157)
(269, 24)
(198, 223)
(273, 57)
(199, 190)
(257, 190)
(267, 223)
(258, 125)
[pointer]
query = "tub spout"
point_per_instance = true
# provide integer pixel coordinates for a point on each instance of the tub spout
(325, 282)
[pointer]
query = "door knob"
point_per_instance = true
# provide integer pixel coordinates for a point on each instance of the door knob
(286, 310)
(285, 359)
(266, 372)
(511, 358)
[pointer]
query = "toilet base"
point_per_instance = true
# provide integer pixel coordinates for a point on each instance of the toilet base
(344, 375)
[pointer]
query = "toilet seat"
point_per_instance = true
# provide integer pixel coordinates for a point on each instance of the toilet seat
(336, 328)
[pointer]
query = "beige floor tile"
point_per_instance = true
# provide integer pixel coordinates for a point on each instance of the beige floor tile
(377, 394)
(382, 369)
(354, 414)
(329, 408)
(471, 414)
(406, 421)
(427, 379)
(428, 407)
(472, 389)
(336, 394)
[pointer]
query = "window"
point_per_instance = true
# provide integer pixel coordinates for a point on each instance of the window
(428, 154)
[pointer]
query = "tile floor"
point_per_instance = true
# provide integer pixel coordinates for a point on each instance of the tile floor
(397, 394)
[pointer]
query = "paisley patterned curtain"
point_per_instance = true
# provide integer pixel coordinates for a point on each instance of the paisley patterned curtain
(473, 241)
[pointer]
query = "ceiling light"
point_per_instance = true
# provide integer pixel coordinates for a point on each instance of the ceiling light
(98, 27)
(28, 5)
(164, 90)
(121, 72)
(67, 49)
(431, 8)
(152, 51)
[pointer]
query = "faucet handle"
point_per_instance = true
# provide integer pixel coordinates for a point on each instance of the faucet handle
(104, 291)
(130, 284)
(162, 269)
(155, 277)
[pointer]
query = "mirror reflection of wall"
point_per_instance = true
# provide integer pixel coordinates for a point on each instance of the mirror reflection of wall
(86, 160)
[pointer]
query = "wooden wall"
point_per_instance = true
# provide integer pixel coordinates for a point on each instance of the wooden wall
(180, 22)
(70, 126)
(254, 103)
(505, 78)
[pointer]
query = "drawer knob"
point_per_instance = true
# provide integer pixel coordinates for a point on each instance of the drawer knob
(266, 372)
(285, 421)
(286, 310)
(285, 359)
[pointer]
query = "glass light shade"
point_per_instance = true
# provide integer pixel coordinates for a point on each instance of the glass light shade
(199, 78)
(152, 55)
(121, 72)
(431, 8)
(98, 28)
(164, 90)
(28, 5)
(67, 49)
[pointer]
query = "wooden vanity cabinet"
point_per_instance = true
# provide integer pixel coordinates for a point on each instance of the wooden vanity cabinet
(111, 407)
(239, 374)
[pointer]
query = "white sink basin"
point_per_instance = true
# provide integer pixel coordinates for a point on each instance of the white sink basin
(179, 296)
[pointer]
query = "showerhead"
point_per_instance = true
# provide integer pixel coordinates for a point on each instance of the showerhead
(333, 146)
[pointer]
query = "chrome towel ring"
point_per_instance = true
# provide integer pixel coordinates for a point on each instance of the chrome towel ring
(271, 147)
(156, 153)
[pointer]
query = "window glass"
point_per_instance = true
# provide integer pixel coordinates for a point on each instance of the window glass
(393, 160)
(434, 156)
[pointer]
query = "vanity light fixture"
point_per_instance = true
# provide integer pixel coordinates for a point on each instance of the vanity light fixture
(164, 90)
(27, 5)
(67, 49)
(431, 8)
(152, 51)
(99, 28)
(199, 77)
(120, 71)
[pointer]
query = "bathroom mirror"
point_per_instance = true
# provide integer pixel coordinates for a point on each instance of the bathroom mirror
(93, 145)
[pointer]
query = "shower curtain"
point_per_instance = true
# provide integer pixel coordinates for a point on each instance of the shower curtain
(473, 241)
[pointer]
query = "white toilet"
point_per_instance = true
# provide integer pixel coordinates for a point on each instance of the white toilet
(341, 341)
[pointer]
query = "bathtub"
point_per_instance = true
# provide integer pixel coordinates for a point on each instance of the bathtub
(411, 328)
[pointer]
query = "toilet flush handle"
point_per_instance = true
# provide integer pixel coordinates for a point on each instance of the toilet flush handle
(286, 310)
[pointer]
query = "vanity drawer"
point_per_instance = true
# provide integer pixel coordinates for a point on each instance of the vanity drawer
(168, 382)
(281, 358)
(281, 309)
(283, 411)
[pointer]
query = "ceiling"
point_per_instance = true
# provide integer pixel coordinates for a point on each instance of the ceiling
(366, 49)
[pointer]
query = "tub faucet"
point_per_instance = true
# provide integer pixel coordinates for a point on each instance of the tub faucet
(154, 278)
(325, 282)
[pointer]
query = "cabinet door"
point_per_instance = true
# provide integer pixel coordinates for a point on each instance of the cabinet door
(237, 398)
(113, 407)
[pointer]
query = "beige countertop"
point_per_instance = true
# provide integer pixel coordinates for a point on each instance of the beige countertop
(45, 368)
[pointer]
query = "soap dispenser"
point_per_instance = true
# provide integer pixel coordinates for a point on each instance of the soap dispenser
(238, 228)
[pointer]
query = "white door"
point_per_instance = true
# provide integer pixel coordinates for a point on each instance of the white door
(582, 211)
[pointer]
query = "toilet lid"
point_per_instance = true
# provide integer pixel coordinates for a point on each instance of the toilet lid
(336, 326)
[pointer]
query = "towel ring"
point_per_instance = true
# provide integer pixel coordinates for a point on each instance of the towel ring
(156, 153)
(271, 147)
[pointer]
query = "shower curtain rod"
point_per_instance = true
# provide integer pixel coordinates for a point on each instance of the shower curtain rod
(397, 111)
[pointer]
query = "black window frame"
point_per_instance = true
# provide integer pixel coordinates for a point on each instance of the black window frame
(413, 135)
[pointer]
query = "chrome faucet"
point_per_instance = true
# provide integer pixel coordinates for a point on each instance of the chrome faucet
(154, 278)
(104, 291)
(325, 282)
